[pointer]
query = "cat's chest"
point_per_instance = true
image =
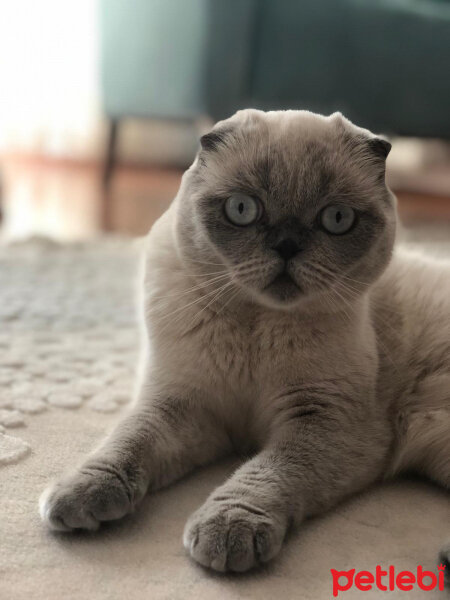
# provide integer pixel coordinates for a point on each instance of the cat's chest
(240, 353)
(227, 351)
(247, 355)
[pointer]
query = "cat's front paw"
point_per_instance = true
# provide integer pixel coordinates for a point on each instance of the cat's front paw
(84, 499)
(232, 536)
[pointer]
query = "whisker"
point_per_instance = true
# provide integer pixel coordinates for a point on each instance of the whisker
(200, 286)
(200, 298)
(180, 315)
(221, 292)
(327, 271)
(228, 301)
(356, 294)
(241, 269)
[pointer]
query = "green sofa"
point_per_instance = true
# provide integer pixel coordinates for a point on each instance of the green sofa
(384, 63)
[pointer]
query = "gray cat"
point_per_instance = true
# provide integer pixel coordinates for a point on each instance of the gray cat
(279, 322)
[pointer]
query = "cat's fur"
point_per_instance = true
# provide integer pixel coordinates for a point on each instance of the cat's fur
(330, 385)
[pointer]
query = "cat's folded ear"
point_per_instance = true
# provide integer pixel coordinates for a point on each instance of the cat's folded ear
(216, 138)
(377, 146)
(212, 140)
(225, 132)
(380, 147)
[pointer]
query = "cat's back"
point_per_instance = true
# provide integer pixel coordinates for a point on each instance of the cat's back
(417, 285)
(411, 313)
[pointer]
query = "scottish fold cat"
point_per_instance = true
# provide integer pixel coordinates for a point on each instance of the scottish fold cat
(281, 322)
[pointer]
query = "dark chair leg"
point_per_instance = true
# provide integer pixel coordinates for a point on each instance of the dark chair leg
(106, 207)
(110, 155)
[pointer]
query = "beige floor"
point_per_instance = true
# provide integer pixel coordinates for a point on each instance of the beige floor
(142, 557)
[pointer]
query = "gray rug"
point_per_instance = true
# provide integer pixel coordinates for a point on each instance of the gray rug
(68, 348)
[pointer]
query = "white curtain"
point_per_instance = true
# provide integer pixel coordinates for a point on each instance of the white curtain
(49, 82)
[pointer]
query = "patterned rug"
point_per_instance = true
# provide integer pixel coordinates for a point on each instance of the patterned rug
(68, 349)
(68, 333)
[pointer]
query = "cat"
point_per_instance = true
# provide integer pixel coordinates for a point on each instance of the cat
(279, 322)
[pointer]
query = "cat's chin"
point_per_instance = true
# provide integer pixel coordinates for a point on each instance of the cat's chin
(281, 293)
(283, 288)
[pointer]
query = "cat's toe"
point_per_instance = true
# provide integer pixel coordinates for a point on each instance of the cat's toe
(232, 538)
(83, 500)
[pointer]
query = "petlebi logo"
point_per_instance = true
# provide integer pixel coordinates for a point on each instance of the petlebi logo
(388, 580)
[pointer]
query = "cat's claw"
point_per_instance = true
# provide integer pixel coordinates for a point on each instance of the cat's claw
(224, 537)
(85, 499)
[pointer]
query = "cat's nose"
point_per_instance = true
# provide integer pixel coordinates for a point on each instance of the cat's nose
(287, 248)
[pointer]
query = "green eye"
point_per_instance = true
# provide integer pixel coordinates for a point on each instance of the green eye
(242, 210)
(337, 218)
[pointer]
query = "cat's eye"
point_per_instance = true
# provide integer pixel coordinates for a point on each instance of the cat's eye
(242, 210)
(337, 218)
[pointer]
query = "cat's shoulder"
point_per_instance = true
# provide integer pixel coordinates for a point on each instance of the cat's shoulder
(411, 261)
(160, 238)
(414, 273)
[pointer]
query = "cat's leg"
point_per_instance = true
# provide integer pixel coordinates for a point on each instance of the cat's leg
(166, 435)
(314, 458)
(424, 437)
(424, 430)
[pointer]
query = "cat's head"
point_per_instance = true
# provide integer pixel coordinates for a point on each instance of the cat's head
(288, 206)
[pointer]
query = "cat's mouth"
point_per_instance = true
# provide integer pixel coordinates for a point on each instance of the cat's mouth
(283, 287)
